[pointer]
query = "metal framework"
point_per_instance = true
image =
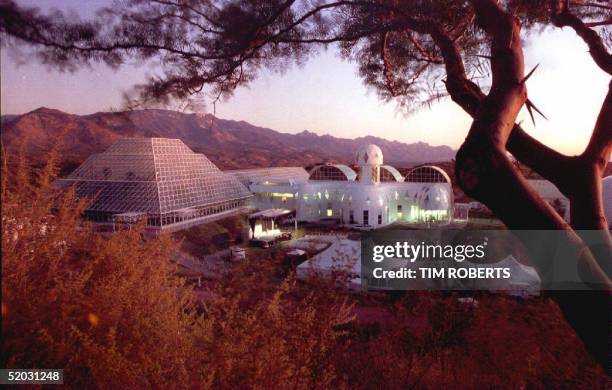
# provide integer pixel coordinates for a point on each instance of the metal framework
(330, 172)
(157, 176)
(389, 173)
(254, 175)
(427, 174)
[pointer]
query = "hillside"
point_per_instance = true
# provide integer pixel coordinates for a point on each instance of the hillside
(229, 144)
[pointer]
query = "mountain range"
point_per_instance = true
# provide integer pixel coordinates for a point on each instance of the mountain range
(229, 144)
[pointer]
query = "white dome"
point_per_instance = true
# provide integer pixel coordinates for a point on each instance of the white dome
(606, 194)
(369, 155)
(435, 197)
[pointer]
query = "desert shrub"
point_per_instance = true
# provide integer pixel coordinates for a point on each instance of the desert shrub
(107, 309)
(434, 341)
(110, 310)
(528, 344)
(289, 339)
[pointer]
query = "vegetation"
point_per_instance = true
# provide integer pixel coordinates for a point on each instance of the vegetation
(105, 309)
(209, 238)
(110, 311)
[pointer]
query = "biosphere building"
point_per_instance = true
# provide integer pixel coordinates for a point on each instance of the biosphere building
(372, 195)
(166, 186)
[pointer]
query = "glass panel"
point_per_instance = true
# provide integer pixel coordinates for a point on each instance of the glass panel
(154, 175)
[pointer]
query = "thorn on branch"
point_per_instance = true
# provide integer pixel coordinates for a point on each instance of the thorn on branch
(528, 104)
(529, 75)
(530, 108)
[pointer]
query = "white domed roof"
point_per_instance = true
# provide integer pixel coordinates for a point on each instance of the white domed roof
(434, 197)
(606, 194)
(369, 155)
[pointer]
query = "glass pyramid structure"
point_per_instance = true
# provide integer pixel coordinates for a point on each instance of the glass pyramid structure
(157, 179)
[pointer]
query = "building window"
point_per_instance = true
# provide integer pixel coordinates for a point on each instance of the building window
(328, 172)
(351, 217)
(380, 219)
(366, 217)
(330, 212)
(399, 211)
(427, 174)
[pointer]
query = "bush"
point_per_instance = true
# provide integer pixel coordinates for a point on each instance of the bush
(111, 311)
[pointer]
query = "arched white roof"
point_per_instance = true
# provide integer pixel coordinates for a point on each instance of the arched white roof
(427, 174)
(369, 155)
(333, 172)
(392, 171)
(606, 194)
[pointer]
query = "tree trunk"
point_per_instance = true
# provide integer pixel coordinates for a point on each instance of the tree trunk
(485, 172)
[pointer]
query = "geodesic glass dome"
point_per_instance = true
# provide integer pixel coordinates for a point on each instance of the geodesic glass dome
(159, 177)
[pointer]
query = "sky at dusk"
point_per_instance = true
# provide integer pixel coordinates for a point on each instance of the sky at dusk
(327, 96)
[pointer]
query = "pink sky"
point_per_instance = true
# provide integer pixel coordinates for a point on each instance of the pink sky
(326, 95)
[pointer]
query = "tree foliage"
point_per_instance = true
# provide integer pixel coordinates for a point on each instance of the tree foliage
(215, 47)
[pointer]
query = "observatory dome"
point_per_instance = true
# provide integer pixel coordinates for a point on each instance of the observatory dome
(369, 155)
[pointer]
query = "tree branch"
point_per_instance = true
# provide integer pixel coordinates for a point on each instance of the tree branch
(589, 4)
(601, 23)
(561, 16)
(600, 145)
(388, 73)
(483, 169)
(191, 8)
(587, 203)
(428, 56)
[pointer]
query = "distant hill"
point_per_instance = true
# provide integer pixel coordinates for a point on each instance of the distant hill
(230, 144)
